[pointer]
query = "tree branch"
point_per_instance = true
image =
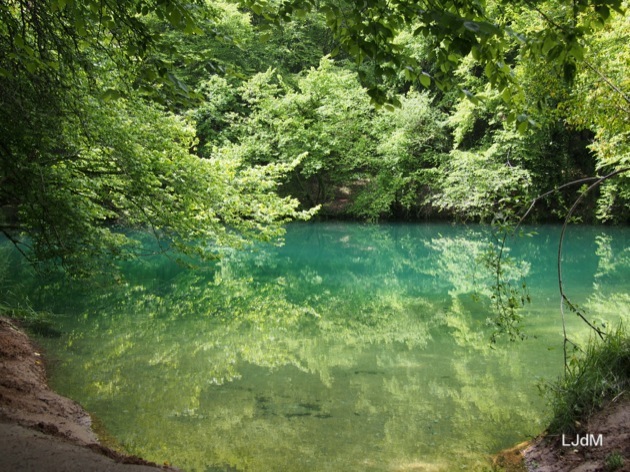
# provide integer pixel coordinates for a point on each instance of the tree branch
(609, 82)
(564, 298)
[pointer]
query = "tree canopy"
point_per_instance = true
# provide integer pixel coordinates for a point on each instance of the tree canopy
(88, 147)
(211, 123)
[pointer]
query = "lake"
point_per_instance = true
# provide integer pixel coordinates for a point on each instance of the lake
(351, 347)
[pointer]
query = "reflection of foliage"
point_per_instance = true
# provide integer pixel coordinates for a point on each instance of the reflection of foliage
(368, 331)
(609, 297)
(485, 270)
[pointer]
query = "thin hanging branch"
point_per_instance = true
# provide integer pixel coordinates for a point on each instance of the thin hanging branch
(564, 299)
(16, 243)
(550, 192)
(500, 303)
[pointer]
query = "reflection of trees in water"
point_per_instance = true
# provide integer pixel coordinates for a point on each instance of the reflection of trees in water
(367, 331)
(610, 297)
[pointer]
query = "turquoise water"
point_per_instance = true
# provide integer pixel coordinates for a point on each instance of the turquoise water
(350, 348)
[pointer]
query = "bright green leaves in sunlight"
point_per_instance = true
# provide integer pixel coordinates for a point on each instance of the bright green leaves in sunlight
(87, 151)
(481, 185)
(132, 165)
(324, 123)
(412, 143)
(206, 122)
(368, 30)
(601, 103)
(352, 158)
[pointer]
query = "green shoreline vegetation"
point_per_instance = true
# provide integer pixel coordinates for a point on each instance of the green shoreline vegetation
(594, 377)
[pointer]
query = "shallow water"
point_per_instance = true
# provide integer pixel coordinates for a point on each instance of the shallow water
(352, 347)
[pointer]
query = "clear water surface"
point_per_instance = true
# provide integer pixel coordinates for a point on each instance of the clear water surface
(350, 348)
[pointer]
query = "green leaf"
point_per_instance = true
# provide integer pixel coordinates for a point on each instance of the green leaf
(111, 94)
(549, 43)
(425, 79)
(577, 51)
(175, 17)
(31, 66)
(603, 11)
(489, 69)
(471, 96)
(79, 25)
(569, 70)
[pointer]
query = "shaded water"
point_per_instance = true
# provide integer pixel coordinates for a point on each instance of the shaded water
(352, 347)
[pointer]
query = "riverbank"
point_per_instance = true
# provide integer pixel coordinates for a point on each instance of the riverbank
(41, 430)
(602, 446)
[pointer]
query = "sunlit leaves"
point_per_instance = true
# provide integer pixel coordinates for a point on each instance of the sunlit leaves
(481, 183)
(601, 102)
(411, 142)
(324, 123)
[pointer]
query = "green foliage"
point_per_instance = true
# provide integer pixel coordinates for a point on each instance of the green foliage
(595, 376)
(384, 160)
(130, 163)
(86, 149)
(214, 116)
(483, 185)
(324, 123)
(412, 143)
(613, 461)
(368, 31)
(548, 151)
(232, 44)
(255, 80)
(601, 102)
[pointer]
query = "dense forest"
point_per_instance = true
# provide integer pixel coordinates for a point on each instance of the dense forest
(212, 123)
(185, 130)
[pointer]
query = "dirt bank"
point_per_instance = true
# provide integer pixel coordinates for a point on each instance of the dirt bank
(605, 453)
(43, 431)
(602, 444)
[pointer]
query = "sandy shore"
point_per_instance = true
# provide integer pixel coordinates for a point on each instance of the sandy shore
(607, 432)
(41, 430)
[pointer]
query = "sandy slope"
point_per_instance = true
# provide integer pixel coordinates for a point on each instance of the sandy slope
(40, 430)
(556, 454)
